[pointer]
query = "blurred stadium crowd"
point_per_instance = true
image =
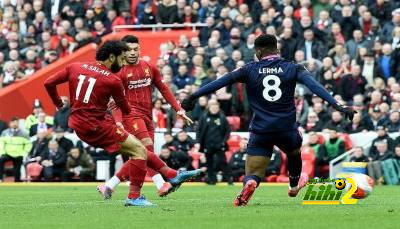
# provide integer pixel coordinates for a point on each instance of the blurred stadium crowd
(351, 46)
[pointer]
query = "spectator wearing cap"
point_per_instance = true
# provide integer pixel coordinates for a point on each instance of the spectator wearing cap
(33, 118)
(382, 136)
(371, 69)
(14, 145)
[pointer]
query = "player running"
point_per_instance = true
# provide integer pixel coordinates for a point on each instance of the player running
(91, 85)
(139, 79)
(270, 83)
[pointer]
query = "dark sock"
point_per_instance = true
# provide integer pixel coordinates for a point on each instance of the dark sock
(294, 167)
(251, 177)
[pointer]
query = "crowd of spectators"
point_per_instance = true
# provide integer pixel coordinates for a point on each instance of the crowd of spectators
(350, 46)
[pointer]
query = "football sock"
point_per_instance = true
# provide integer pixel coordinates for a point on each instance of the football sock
(251, 177)
(156, 177)
(294, 167)
(158, 180)
(137, 173)
(154, 162)
(123, 173)
(113, 182)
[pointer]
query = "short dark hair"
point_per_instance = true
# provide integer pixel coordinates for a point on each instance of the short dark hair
(110, 47)
(267, 42)
(130, 39)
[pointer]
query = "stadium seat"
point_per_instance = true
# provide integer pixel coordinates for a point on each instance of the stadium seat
(347, 140)
(308, 159)
(233, 142)
(195, 158)
(234, 122)
(283, 173)
(33, 171)
(271, 178)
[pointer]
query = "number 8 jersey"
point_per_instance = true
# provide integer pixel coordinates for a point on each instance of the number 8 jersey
(91, 85)
(270, 85)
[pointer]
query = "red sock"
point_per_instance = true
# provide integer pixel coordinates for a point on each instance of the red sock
(154, 162)
(123, 173)
(150, 148)
(137, 173)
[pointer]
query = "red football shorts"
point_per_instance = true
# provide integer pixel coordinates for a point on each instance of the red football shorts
(105, 134)
(140, 127)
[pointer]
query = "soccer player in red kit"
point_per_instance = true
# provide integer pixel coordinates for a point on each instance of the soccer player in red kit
(139, 79)
(91, 85)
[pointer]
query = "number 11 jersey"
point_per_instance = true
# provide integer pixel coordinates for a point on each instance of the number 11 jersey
(91, 85)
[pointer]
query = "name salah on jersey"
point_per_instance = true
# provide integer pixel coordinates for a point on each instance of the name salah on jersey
(96, 69)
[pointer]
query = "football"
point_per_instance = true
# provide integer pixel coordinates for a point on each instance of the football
(365, 185)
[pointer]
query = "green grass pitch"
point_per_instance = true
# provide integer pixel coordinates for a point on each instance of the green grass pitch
(193, 206)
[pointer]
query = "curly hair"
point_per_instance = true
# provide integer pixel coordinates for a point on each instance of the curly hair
(111, 47)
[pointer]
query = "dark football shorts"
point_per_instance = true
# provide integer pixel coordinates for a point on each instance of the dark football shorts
(263, 144)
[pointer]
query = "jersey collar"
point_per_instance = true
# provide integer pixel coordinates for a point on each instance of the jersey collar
(270, 57)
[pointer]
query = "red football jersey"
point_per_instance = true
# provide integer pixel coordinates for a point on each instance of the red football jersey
(91, 85)
(139, 80)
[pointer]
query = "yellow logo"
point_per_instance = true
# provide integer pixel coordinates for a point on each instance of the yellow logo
(340, 184)
(135, 126)
(119, 132)
(147, 71)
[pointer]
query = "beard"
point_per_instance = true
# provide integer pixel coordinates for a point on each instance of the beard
(115, 66)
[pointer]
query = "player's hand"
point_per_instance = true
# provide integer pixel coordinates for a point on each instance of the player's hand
(112, 105)
(347, 111)
(182, 113)
(188, 104)
(120, 125)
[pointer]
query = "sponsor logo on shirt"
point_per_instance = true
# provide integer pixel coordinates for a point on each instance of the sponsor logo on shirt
(133, 84)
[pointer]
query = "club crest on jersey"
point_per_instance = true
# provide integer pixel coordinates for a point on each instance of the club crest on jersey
(270, 70)
(147, 72)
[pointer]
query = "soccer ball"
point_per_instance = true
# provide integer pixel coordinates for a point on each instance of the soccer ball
(365, 185)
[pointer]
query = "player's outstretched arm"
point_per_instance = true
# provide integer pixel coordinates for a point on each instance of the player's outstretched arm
(304, 77)
(51, 86)
(227, 79)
